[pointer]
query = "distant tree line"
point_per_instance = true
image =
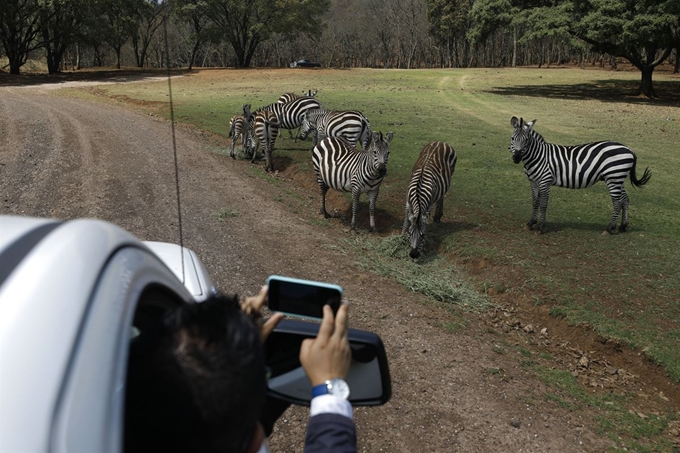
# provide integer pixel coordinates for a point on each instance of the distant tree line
(73, 34)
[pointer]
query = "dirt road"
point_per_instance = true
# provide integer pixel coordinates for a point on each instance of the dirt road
(67, 158)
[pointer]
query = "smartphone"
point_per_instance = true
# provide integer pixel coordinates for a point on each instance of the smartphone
(302, 298)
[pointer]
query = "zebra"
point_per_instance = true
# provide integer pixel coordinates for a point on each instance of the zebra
(430, 180)
(239, 128)
(340, 166)
(351, 124)
(287, 97)
(291, 114)
(574, 167)
(265, 128)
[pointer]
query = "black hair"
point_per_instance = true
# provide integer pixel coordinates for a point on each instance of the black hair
(195, 380)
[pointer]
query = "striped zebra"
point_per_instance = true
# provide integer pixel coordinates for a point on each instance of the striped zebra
(239, 128)
(291, 114)
(430, 180)
(340, 166)
(287, 97)
(350, 124)
(265, 129)
(574, 167)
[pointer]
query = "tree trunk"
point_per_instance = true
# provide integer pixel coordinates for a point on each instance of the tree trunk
(677, 60)
(646, 86)
(514, 47)
(15, 64)
(193, 53)
(54, 58)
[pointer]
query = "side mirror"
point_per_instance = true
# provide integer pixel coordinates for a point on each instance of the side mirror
(369, 375)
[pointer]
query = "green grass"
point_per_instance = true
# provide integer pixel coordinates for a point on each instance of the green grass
(626, 286)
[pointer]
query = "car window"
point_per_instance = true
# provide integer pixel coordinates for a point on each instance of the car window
(133, 289)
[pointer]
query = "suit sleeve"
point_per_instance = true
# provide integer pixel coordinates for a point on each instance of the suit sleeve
(330, 433)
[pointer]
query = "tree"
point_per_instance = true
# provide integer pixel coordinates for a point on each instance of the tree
(247, 23)
(194, 14)
(121, 22)
(639, 31)
(19, 29)
(150, 14)
(61, 23)
(449, 24)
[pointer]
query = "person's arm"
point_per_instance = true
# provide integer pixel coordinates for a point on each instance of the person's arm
(328, 356)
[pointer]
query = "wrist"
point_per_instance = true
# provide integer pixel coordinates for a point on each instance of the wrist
(336, 386)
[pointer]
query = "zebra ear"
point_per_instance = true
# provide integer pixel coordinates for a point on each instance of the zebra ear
(389, 137)
(513, 122)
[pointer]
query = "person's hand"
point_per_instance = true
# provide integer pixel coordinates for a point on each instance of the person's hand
(328, 355)
(252, 307)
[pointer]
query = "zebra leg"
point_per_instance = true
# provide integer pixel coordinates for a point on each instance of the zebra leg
(535, 200)
(372, 196)
(267, 157)
(232, 154)
(355, 208)
(543, 196)
(256, 147)
(617, 194)
(439, 211)
(323, 188)
(624, 212)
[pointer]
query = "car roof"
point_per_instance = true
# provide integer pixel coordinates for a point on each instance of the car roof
(48, 270)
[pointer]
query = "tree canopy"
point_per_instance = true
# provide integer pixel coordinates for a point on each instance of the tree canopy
(247, 23)
(641, 31)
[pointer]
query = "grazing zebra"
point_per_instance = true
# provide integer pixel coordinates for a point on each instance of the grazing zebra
(351, 124)
(341, 166)
(239, 128)
(574, 167)
(430, 180)
(291, 114)
(265, 128)
(287, 97)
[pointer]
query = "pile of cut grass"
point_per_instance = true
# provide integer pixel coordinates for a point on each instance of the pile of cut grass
(435, 278)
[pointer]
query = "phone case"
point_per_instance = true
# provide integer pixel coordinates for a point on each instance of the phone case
(310, 283)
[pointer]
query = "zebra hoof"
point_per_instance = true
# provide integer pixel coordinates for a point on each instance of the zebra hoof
(622, 228)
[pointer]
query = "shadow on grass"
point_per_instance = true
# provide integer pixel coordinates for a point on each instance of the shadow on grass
(94, 76)
(612, 90)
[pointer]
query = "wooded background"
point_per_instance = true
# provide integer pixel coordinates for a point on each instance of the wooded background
(75, 34)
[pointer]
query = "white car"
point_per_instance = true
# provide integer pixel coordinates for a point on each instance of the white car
(72, 294)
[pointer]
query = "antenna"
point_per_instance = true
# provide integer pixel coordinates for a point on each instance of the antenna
(174, 144)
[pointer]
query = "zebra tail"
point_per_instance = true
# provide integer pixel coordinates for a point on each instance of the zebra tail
(645, 176)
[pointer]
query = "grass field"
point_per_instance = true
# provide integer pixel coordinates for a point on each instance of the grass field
(625, 286)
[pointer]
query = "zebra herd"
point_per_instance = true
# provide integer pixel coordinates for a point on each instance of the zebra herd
(340, 165)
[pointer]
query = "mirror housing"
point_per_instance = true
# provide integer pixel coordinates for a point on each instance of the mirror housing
(368, 378)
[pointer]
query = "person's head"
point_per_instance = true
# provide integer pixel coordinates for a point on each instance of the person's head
(195, 381)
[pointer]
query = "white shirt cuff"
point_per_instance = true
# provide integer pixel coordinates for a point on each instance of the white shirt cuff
(330, 404)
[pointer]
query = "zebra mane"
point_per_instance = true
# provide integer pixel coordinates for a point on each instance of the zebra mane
(535, 136)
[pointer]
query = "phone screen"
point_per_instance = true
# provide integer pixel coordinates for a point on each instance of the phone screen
(302, 298)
